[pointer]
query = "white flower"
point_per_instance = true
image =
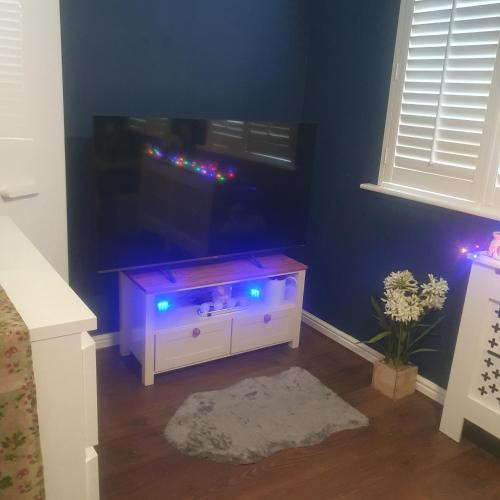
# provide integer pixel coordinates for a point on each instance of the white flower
(401, 280)
(434, 292)
(403, 307)
(433, 302)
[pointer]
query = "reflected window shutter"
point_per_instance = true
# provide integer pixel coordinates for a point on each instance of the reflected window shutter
(496, 160)
(272, 140)
(436, 145)
(227, 135)
(12, 75)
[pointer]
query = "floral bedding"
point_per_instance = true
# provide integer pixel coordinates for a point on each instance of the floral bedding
(21, 471)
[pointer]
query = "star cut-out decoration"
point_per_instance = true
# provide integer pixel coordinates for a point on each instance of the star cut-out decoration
(482, 390)
(493, 343)
(496, 327)
(497, 312)
(498, 399)
(485, 376)
(496, 373)
(493, 388)
(488, 362)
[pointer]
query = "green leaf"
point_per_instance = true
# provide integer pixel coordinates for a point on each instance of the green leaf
(379, 313)
(422, 350)
(376, 306)
(426, 331)
(377, 337)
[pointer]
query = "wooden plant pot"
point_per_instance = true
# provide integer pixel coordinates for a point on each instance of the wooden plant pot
(392, 382)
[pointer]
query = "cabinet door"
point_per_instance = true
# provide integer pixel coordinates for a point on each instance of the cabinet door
(262, 329)
(190, 345)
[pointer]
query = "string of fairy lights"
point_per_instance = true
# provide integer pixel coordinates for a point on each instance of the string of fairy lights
(207, 169)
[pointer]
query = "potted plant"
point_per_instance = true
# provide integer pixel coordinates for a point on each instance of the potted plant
(404, 306)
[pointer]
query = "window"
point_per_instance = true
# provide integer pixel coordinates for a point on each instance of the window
(270, 142)
(442, 140)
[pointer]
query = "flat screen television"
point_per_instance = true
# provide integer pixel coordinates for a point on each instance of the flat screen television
(170, 190)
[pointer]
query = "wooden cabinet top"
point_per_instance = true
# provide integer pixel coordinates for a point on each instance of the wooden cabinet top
(199, 276)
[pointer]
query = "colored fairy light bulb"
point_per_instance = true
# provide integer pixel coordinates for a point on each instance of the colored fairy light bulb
(463, 250)
(207, 169)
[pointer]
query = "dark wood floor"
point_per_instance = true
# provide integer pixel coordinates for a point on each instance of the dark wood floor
(401, 455)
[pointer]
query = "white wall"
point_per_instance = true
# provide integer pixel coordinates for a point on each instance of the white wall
(31, 125)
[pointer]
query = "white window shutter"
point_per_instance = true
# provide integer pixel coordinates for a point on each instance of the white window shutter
(227, 135)
(271, 140)
(12, 76)
(437, 139)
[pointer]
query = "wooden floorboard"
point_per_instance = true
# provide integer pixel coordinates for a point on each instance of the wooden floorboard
(401, 455)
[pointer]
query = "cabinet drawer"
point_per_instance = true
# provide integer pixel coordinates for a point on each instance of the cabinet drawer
(260, 330)
(189, 345)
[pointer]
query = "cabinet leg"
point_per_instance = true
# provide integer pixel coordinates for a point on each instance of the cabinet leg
(148, 377)
(125, 326)
(452, 426)
(294, 344)
(124, 349)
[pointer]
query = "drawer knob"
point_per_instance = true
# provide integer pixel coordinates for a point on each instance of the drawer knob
(267, 318)
(196, 332)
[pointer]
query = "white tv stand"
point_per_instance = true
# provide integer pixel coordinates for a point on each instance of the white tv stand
(178, 336)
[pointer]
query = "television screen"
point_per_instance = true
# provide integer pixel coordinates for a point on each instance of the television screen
(170, 190)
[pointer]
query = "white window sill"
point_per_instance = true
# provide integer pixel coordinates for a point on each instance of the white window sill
(464, 206)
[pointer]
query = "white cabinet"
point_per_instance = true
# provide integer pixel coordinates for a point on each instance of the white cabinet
(179, 336)
(473, 392)
(63, 364)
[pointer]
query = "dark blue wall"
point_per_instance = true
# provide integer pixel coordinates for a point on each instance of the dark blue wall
(358, 237)
(322, 60)
(184, 58)
(177, 58)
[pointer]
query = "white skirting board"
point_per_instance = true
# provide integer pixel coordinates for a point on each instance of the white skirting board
(424, 385)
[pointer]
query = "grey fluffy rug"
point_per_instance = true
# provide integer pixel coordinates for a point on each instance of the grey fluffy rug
(260, 416)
